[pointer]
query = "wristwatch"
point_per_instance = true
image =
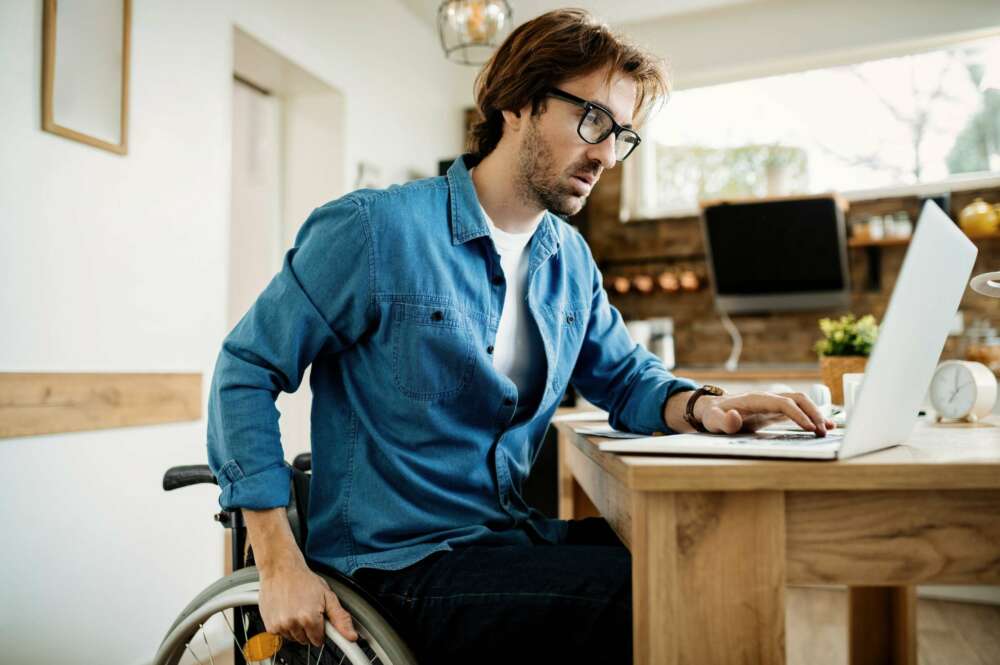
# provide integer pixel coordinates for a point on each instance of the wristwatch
(689, 412)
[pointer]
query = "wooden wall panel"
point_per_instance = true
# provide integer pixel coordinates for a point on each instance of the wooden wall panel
(50, 403)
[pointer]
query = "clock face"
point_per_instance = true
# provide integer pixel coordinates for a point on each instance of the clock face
(953, 390)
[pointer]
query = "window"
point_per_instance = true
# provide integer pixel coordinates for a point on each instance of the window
(931, 117)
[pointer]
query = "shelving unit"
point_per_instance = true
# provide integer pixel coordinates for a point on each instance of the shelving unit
(891, 242)
(873, 249)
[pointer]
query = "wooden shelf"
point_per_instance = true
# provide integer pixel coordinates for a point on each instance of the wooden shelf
(891, 242)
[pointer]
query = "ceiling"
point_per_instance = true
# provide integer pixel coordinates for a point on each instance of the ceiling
(611, 11)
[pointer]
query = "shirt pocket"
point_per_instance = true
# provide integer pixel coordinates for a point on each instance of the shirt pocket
(568, 324)
(432, 349)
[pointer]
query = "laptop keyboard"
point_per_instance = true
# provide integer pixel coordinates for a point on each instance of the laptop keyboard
(805, 439)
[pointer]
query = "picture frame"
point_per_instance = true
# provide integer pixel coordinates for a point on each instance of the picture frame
(85, 72)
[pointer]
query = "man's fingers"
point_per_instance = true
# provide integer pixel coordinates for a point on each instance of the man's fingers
(339, 617)
(811, 410)
(314, 626)
(790, 408)
(764, 403)
(295, 632)
(717, 420)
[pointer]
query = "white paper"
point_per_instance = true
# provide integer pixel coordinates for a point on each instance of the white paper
(608, 432)
(582, 416)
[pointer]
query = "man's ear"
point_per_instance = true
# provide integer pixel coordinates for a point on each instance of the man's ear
(512, 119)
(516, 117)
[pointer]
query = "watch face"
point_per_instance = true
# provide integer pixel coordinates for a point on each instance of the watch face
(953, 390)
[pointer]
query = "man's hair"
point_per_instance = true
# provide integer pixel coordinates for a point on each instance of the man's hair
(551, 48)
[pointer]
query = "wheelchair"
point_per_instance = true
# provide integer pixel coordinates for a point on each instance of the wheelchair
(225, 617)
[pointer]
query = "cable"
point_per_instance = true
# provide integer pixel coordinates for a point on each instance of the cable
(734, 356)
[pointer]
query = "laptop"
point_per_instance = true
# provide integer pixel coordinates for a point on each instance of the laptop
(926, 296)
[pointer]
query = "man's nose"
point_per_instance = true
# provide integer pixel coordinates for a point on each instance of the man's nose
(604, 152)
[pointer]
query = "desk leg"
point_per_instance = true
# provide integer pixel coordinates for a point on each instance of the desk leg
(708, 577)
(882, 626)
(574, 504)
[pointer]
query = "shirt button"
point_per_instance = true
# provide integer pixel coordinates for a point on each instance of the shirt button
(508, 402)
(497, 280)
(437, 316)
(569, 318)
(489, 349)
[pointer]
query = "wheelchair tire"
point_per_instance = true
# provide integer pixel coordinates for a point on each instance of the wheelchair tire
(241, 589)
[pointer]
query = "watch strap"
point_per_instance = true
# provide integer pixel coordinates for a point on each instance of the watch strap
(689, 411)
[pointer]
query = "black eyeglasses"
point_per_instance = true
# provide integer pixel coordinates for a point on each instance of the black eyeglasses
(597, 124)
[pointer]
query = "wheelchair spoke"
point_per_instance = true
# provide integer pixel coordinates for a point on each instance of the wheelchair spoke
(193, 654)
(236, 640)
(204, 636)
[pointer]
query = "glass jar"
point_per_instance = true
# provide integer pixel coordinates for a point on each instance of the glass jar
(982, 344)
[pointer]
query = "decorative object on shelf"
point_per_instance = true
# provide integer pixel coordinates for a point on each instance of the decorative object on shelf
(621, 284)
(980, 218)
(668, 282)
(963, 390)
(471, 29)
(876, 227)
(85, 72)
(899, 225)
(690, 281)
(643, 284)
(847, 342)
(982, 344)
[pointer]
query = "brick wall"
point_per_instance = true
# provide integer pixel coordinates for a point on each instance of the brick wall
(649, 247)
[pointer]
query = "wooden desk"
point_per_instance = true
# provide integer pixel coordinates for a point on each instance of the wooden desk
(714, 542)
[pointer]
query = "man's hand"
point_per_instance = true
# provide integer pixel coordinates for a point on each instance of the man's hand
(294, 602)
(746, 412)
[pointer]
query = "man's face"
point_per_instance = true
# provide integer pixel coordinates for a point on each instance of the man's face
(552, 158)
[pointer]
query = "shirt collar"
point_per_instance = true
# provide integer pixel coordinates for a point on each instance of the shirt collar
(467, 220)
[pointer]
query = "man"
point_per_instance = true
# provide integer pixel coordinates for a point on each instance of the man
(444, 320)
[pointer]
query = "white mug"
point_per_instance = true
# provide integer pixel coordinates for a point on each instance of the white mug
(819, 393)
(852, 391)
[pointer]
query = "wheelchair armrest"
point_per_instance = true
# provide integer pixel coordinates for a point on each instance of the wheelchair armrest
(303, 461)
(190, 474)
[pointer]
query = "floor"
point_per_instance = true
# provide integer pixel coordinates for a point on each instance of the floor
(948, 633)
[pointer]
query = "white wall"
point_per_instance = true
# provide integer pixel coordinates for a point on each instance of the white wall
(114, 263)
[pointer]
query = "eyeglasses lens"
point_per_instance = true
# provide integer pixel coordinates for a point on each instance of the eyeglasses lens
(596, 127)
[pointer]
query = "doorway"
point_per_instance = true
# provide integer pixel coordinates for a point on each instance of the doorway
(288, 158)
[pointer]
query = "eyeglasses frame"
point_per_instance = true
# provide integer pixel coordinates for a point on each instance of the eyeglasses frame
(586, 105)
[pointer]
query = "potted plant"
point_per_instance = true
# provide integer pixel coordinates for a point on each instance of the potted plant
(845, 347)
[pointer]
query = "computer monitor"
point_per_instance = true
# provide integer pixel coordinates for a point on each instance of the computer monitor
(779, 254)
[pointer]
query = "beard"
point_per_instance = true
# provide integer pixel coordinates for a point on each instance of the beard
(537, 184)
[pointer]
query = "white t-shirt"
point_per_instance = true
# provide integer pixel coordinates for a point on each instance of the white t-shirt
(518, 352)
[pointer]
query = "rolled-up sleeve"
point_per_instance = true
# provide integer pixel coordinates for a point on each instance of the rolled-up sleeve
(618, 375)
(319, 302)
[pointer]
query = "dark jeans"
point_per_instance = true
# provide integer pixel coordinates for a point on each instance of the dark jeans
(565, 603)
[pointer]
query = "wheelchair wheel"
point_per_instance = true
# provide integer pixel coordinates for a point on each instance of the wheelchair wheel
(206, 631)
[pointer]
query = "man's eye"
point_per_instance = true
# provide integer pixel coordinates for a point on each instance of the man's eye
(593, 118)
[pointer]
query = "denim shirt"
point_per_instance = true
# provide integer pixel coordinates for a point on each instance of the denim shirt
(394, 297)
